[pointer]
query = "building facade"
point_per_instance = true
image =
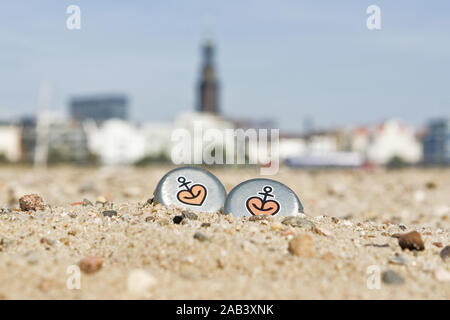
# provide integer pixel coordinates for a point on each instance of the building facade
(436, 142)
(99, 108)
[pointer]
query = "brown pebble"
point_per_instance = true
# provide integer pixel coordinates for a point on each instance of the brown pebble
(47, 241)
(31, 202)
(90, 264)
(302, 246)
(430, 185)
(438, 244)
(411, 240)
(445, 253)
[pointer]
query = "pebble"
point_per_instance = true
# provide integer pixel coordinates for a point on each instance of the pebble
(411, 240)
(299, 222)
(90, 264)
(48, 241)
(392, 277)
(139, 282)
(177, 219)
(257, 218)
(302, 246)
(276, 226)
(442, 275)
(109, 213)
(87, 203)
(201, 237)
(101, 199)
(438, 244)
(398, 259)
(430, 185)
(4, 242)
(189, 215)
(335, 220)
(31, 202)
(322, 232)
(445, 253)
(205, 225)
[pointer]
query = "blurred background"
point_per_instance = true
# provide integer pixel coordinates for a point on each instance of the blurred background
(113, 91)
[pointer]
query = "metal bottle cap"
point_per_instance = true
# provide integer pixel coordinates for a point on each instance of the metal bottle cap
(192, 188)
(262, 197)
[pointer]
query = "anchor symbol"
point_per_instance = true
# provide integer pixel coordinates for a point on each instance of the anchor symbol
(257, 206)
(194, 195)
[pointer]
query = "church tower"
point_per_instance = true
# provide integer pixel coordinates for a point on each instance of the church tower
(208, 100)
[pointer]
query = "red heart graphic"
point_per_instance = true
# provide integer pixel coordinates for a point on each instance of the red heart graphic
(195, 196)
(256, 207)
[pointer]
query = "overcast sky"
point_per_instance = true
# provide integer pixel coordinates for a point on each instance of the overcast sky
(282, 60)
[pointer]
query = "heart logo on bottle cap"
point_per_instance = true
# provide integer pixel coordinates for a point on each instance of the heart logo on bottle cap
(257, 206)
(194, 195)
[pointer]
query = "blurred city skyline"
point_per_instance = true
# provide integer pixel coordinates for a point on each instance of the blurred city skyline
(283, 61)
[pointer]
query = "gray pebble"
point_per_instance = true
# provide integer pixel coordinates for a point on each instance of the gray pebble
(206, 225)
(189, 215)
(299, 222)
(392, 277)
(87, 203)
(4, 242)
(398, 259)
(445, 253)
(201, 237)
(109, 213)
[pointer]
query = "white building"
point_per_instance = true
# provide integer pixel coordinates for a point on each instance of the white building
(116, 142)
(10, 142)
(394, 139)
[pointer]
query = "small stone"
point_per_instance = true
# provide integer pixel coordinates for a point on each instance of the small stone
(109, 213)
(139, 282)
(442, 275)
(376, 245)
(445, 253)
(101, 199)
(276, 226)
(87, 203)
(302, 246)
(150, 201)
(205, 225)
(411, 240)
(90, 264)
(392, 277)
(177, 219)
(189, 215)
(398, 259)
(201, 237)
(430, 185)
(4, 242)
(299, 222)
(335, 220)
(257, 218)
(322, 232)
(31, 202)
(150, 219)
(47, 241)
(438, 244)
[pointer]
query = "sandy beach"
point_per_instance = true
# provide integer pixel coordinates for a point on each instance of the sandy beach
(145, 255)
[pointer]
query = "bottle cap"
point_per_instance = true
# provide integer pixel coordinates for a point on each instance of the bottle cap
(262, 197)
(192, 188)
